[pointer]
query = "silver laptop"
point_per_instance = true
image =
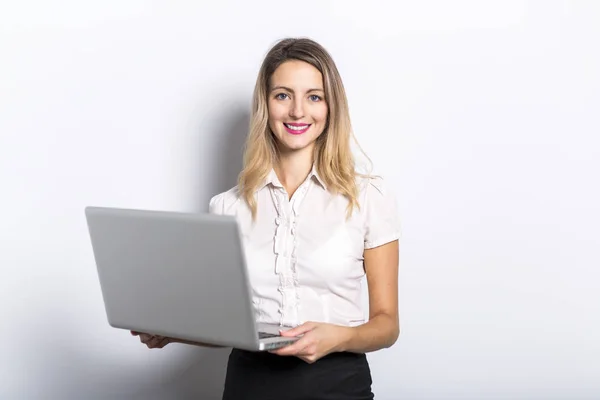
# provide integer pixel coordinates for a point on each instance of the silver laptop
(179, 275)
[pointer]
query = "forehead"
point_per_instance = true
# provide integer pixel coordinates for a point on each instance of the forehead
(297, 74)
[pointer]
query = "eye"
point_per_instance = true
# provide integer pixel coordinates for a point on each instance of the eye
(314, 97)
(281, 96)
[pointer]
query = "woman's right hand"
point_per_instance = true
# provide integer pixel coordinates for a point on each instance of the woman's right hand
(158, 342)
(152, 341)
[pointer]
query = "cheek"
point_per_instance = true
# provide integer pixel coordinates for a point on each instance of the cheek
(321, 114)
(276, 112)
(272, 120)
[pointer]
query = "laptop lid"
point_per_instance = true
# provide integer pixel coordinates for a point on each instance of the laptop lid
(180, 275)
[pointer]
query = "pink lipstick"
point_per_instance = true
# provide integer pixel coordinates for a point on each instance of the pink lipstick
(296, 128)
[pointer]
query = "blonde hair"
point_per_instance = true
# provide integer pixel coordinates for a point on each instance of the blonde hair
(333, 156)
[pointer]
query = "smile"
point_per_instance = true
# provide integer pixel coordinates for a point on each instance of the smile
(296, 129)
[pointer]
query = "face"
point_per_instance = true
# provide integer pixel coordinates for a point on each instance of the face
(297, 106)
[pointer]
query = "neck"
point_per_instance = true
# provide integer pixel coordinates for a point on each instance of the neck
(293, 168)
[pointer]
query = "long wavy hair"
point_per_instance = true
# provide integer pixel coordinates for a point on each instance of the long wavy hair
(333, 156)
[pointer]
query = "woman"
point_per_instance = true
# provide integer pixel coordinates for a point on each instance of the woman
(312, 228)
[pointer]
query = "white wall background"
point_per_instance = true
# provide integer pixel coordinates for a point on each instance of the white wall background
(482, 115)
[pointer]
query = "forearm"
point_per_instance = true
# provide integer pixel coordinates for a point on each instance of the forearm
(379, 332)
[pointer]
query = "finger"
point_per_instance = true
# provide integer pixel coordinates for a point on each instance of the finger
(307, 359)
(145, 338)
(299, 330)
(151, 343)
(157, 341)
(307, 352)
(161, 342)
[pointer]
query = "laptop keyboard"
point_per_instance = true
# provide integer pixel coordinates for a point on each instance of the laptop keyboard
(265, 335)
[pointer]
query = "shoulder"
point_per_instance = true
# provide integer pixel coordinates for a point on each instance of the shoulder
(224, 202)
(378, 205)
(373, 186)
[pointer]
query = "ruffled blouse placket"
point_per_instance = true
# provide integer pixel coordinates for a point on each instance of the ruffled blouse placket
(285, 248)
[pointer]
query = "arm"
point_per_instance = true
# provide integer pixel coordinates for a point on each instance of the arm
(383, 327)
(158, 342)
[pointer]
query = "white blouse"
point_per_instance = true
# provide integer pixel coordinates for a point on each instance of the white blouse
(304, 259)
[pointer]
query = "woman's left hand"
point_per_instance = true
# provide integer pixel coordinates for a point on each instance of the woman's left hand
(318, 340)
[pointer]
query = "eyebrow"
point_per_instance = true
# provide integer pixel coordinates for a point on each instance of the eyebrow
(290, 90)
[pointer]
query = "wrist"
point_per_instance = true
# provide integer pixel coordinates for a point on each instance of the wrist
(346, 335)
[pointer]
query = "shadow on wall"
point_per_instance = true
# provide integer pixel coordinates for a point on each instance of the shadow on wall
(222, 169)
(63, 368)
(182, 372)
(200, 372)
(203, 370)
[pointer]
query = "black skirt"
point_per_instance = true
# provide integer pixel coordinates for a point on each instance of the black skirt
(266, 376)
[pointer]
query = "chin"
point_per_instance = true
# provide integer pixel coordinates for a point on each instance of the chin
(296, 145)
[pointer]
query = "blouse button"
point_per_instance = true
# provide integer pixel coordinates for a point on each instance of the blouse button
(278, 221)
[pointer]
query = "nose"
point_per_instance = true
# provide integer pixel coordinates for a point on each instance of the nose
(296, 109)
